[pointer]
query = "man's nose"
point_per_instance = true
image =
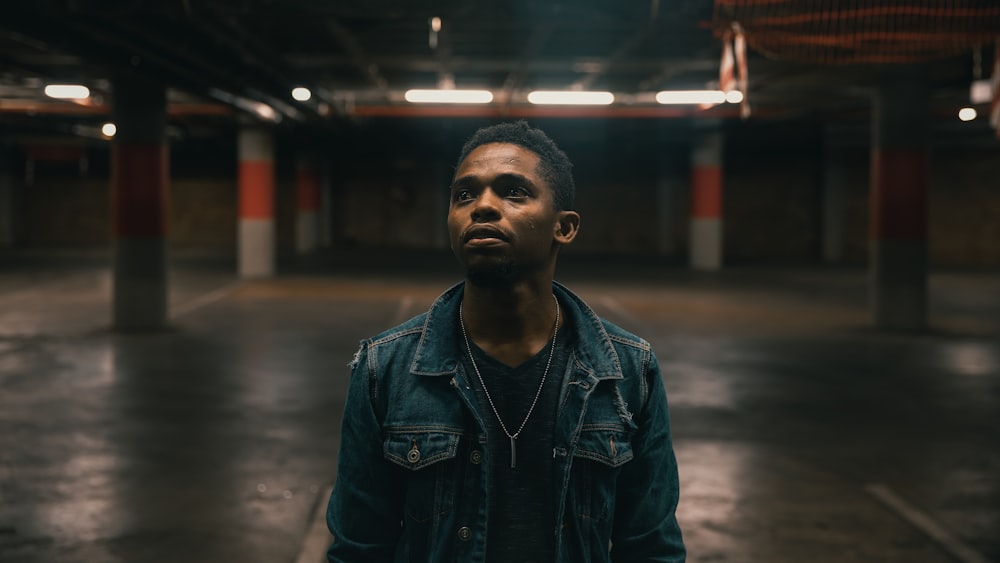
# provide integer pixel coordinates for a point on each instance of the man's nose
(487, 206)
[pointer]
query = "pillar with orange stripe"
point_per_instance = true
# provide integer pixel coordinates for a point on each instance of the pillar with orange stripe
(8, 199)
(256, 237)
(898, 206)
(307, 206)
(139, 199)
(706, 201)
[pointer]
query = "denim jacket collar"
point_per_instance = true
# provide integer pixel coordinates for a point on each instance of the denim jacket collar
(438, 351)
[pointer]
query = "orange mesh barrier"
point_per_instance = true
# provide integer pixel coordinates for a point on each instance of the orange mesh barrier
(860, 31)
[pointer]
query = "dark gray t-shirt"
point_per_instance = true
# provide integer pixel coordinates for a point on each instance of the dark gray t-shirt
(522, 511)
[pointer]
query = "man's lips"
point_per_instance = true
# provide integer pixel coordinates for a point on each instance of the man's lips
(485, 234)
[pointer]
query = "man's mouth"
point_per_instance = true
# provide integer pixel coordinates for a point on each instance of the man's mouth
(484, 234)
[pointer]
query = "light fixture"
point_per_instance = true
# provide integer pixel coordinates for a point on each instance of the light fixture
(693, 97)
(967, 114)
(571, 97)
(435, 24)
(109, 129)
(419, 96)
(734, 96)
(301, 94)
(67, 91)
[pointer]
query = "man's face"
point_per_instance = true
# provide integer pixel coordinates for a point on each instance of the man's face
(502, 218)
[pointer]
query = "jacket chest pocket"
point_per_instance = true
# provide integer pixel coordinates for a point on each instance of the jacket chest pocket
(429, 471)
(600, 454)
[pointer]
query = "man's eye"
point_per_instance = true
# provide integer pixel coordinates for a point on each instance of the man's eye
(516, 191)
(463, 195)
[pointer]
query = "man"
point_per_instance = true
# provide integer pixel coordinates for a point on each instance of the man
(508, 423)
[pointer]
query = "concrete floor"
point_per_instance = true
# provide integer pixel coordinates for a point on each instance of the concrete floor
(802, 434)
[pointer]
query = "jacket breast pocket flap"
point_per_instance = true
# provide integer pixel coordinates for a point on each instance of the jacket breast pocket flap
(610, 447)
(417, 450)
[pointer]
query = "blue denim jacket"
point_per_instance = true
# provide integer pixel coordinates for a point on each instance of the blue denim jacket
(413, 475)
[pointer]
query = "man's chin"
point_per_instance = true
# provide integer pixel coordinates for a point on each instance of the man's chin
(500, 274)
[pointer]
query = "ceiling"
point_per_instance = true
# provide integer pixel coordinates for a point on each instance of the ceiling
(223, 59)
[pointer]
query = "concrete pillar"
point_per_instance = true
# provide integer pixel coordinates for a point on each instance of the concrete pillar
(326, 205)
(668, 186)
(706, 201)
(139, 199)
(899, 200)
(834, 210)
(307, 206)
(443, 175)
(8, 198)
(256, 236)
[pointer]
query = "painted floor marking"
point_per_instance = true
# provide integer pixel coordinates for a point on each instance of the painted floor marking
(208, 298)
(318, 539)
(402, 313)
(923, 522)
(617, 308)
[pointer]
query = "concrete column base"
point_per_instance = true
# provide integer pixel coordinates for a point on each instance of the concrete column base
(139, 296)
(706, 244)
(899, 285)
(256, 248)
(306, 231)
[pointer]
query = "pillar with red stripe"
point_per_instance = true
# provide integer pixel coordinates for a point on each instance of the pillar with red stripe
(706, 201)
(898, 204)
(256, 237)
(139, 198)
(307, 206)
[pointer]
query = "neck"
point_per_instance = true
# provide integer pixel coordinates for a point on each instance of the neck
(513, 321)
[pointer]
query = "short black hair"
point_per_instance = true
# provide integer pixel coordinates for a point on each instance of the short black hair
(554, 166)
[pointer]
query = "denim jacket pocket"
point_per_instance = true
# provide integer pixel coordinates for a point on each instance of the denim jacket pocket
(429, 474)
(417, 450)
(605, 444)
(600, 453)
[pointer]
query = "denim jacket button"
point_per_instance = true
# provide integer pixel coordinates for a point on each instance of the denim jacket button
(464, 533)
(476, 457)
(413, 455)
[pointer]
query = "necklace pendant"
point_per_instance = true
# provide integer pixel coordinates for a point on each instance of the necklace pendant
(513, 452)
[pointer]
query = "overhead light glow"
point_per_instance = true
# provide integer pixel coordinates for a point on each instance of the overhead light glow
(67, 91)
(301, 94)
(265, 111)
(435, 24)
(418, 96)
(967, 114)
(571, 97)
(734, 96)
(691, 97)
(109, 129)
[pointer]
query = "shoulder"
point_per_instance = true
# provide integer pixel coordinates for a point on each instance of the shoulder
(408, 332)
(622, 338)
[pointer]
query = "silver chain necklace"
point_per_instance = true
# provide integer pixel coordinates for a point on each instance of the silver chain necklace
(513, 437)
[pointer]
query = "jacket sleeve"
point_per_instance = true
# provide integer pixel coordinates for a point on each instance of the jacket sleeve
(646, 526)
(365, 511)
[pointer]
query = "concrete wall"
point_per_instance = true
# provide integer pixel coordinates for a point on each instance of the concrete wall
(386, 194)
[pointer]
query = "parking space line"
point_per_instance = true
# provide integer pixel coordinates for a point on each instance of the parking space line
(206, 299)
(317, 540)
(402, 313)
(923, 522)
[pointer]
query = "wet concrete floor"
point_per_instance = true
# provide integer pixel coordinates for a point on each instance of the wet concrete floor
(802, 433)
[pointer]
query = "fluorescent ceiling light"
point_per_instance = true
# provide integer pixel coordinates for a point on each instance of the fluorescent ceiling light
(418, 96)
(967, 114)
(301, 94)
(109, 129)
(571, 97)
(67, 91)
(734, 96)
(691, 97)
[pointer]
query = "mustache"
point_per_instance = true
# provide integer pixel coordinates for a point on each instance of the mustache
(485, 231)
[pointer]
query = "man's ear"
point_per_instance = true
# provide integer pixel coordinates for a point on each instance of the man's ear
(567, 225)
